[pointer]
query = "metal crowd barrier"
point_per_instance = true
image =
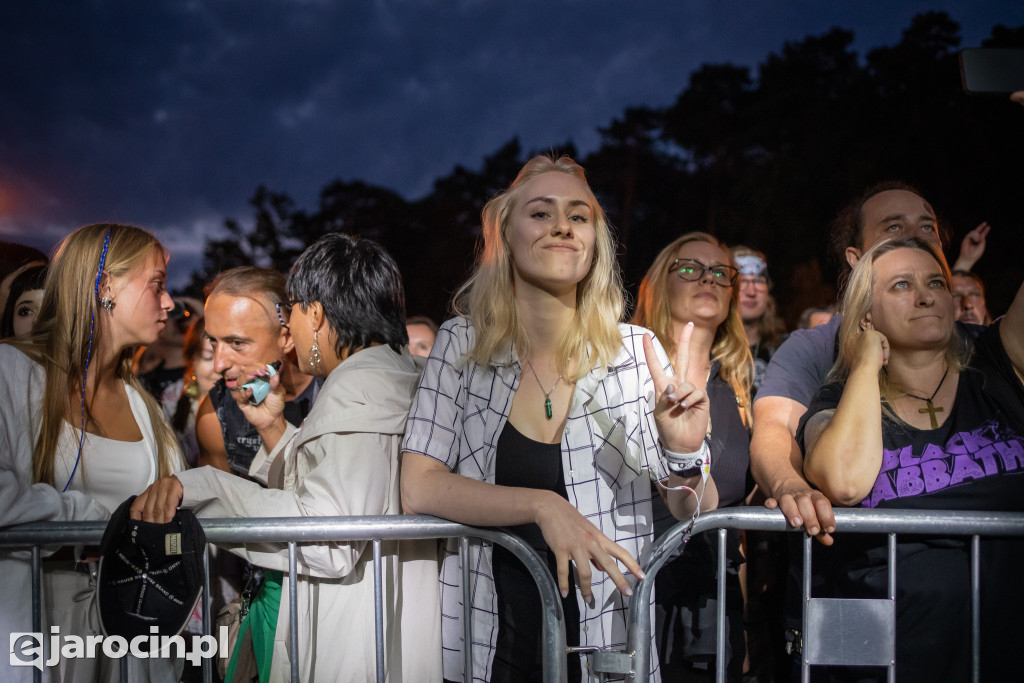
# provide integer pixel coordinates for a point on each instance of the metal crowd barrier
(634, 662)
(292, 531)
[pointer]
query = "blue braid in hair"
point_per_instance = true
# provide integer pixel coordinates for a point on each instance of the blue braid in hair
(88, 356)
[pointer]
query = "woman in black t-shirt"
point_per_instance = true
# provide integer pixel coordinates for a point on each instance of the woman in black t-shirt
(920, 418)
(695, 280)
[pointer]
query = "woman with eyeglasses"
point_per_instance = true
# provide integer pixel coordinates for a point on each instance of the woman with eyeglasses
(539, 411)
(764, 329)
(78, 432)
(765, 552)
(347, 321)
(694, 281)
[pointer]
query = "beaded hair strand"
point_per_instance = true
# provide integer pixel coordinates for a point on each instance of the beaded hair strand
(88, 357)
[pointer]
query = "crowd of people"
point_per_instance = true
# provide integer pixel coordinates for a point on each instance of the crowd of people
(535, 408)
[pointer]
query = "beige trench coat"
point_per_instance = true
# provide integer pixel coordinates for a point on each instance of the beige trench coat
(343, 460)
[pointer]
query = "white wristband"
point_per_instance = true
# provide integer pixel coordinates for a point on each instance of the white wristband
(681, 462)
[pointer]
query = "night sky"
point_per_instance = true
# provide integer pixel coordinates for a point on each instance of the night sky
(169, 114)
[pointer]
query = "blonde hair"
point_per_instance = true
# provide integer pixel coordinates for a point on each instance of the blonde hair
(857, 303)
(654, 311)
(487, 298)
(61, 335)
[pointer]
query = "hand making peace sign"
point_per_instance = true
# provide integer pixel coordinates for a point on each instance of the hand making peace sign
(681, 409)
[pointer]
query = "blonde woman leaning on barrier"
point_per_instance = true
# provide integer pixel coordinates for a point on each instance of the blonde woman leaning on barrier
(347, 320)
(539, 411)
(695, 280)
(921, 418)
(78, 433)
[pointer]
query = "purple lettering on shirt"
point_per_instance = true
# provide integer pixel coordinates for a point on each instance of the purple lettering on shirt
(987, 457)
(992, 449)
(955, 445)
(1011, 452)
(890, 459)
(975, 440)
(964, 467)
(933, 452)
(993, 428)
(909, 482)
(881, 491)
(935, 475)
(907, 457)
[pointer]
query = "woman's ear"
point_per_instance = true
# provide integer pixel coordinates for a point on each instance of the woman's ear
(104, 284)
(316, 315)
(105, 291)
(865, 324)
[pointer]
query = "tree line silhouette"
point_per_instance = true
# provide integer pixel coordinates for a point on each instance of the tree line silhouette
(761, 159)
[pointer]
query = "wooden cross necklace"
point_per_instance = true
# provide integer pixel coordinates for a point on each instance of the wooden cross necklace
(931, 410)
(547, 394)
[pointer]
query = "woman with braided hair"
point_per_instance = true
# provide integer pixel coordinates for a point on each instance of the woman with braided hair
(78, 434)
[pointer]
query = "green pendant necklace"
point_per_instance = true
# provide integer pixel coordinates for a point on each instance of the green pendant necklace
(547, 394)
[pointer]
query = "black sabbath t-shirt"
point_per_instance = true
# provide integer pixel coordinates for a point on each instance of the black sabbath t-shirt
(973, 461)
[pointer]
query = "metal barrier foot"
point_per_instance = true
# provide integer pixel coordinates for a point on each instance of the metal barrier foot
(606, 661)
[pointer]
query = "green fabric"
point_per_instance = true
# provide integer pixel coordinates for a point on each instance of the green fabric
(262, 622)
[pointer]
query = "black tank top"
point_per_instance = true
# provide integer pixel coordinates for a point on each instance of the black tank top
(523, 462)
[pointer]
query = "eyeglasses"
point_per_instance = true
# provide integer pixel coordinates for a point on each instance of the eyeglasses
(691, 270)
(285, 309)
(758, 281)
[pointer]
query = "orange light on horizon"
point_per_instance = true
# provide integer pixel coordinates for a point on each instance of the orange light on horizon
(6, 199)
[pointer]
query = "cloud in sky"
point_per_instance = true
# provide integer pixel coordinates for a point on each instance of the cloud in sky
(168, 114)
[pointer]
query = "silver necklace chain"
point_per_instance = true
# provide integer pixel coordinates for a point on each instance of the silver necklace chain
(547, 394)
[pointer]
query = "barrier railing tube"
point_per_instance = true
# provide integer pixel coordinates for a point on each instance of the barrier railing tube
(947, 523)
(295, 530)
(635, 659)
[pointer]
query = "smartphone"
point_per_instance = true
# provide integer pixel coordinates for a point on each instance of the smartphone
(260, 386)
(992, 70)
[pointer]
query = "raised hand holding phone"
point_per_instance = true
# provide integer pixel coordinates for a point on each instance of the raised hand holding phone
(261, 399)
(259, 385)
